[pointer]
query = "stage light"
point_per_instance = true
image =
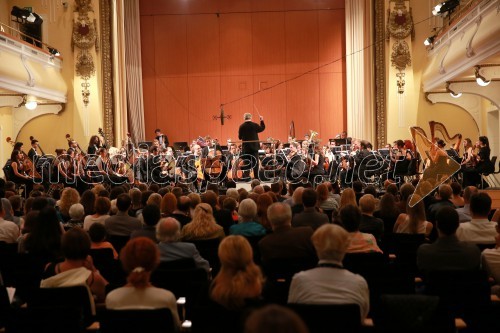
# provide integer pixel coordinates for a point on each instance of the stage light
(54, 51)
(481, 80)
(445, 7)
(429, 40)
(457, 95)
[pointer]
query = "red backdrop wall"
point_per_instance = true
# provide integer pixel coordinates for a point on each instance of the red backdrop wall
(283, 58)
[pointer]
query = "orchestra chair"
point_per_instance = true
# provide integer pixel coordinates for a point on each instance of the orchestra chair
(326, 318)
(485, 176)
(412, 313)
(132, 321)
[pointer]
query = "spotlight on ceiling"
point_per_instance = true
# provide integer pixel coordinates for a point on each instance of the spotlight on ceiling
(457, 95)
(54, 51)
(429, 40)
(446, 7)
(479, 78)
(30, 102)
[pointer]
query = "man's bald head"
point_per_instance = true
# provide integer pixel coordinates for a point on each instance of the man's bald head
(168, 230)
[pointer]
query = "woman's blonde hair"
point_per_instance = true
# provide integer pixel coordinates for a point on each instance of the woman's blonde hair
(202, 224)
(239, 277)
(348, 197)
(69, 196)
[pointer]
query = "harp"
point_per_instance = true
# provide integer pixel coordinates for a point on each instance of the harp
(439, 127)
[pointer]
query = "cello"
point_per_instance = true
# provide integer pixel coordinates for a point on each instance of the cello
(28, 165)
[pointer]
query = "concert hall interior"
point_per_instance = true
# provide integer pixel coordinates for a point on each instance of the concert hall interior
(204, 92)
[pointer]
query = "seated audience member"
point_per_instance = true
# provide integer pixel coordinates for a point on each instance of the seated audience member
(77, 268)
(447, 252)
(274, 318)
(203, 225)
(442, 200)
(44, 238)
(168, 233)
(406, 190)
(76, 215)
(296, 202)
(247, 225)
(464, 213)
(479, 230)
(139, 258)
(16, 201)
(360, 242)
(490, 261)
(277, 188)
(231, 205)
(456, 196)
(387, 212)
(286, 242)
(369, 223)
(168, 204)
(264, 200)
(9, 213)
(102, 208)
(309, 217)
(9, 231)
(151, 215)
(122, 224)
(329, 282)
(181, 213)
(239, 281)
(136, 198)
(97, 234)
(223, 217)
(414, 221)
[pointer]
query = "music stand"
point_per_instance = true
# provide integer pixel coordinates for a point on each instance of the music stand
(341, 142)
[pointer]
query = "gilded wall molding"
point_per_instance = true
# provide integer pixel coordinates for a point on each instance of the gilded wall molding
(105, 10)
(380, 80)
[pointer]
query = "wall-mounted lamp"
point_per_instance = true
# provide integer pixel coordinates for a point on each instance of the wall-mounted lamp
(30, 102)
(479, 78)
(445, 8)
(429, 40)
(452, 93)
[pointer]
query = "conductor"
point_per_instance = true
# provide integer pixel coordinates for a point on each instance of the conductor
(249, 135)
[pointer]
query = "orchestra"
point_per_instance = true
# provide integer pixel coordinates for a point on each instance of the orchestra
(209, 162)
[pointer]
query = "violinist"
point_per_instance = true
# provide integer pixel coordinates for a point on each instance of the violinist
(472, 176)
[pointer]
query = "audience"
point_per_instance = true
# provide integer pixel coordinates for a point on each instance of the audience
(310, 216)
(447, 252)
(414, 221)
(464, 213)
(490, 261)
(168, 233)
(456, 196)
(151, 215)
(9, 231)
(247, 225)
(97, 234)
(102, 208)
(369, 223)
(181, 213)
(479, 230)
(203, 225)
(77, 267)
(360, 242)
(139, 258)
(76, 216)
(239, 280)
(274, 318)
(122, 224)
(329, 283)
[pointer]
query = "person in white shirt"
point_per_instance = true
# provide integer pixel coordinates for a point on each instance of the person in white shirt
(329, 282)
(9, 231)
(490, 261)
(479, 230)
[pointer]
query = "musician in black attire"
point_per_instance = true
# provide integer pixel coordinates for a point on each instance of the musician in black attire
(94, 145)
(162, 138)
(472, 176)
(32, 153)
(249, 131)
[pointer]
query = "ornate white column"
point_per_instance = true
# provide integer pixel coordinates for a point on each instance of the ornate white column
(359, 69)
